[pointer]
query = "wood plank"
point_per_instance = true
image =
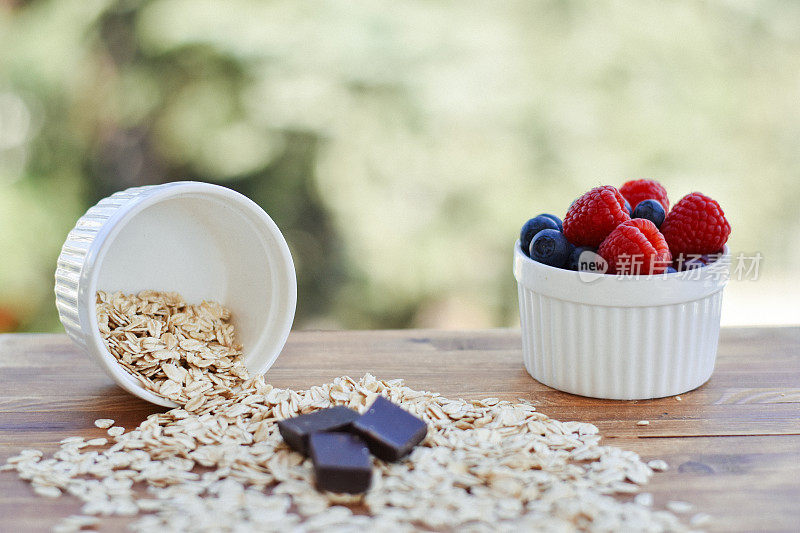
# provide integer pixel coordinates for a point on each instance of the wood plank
(745, 483)
(734, 443)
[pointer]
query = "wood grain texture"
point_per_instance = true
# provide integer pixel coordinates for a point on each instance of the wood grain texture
(733, 444)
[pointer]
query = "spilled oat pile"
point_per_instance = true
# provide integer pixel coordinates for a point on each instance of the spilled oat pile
(486, 465)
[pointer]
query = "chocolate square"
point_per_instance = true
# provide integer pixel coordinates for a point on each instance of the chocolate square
(295, 431)
(389, 430)
(341, 462)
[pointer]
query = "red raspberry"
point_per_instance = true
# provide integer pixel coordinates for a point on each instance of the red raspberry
(696, 225)
(594, 215)
(636, 191)
(636, 247)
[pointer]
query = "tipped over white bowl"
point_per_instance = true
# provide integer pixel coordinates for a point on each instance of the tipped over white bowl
(203, 241)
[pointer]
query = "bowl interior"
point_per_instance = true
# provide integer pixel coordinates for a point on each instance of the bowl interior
(212, 244)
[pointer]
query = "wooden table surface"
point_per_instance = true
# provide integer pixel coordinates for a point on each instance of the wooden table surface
(733, 445)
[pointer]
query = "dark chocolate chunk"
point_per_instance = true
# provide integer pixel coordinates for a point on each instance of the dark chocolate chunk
(389, 430)
(295, 431)
(341, 462)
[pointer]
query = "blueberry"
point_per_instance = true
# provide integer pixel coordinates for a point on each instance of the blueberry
(531, 228)
(550, 247)
(692, 264)
(555, 219)
(652, 210)
(628, 207)
(574, 257)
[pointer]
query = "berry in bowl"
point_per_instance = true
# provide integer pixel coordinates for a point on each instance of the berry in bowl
(623, 303)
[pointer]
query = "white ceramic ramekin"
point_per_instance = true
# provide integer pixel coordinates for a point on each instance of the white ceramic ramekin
(619, 337)
(201, 240)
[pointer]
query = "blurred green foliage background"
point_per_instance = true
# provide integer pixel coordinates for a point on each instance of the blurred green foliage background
(399, 145)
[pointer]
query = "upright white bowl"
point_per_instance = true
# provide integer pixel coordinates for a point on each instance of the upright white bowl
(619, 337)
(201, 240)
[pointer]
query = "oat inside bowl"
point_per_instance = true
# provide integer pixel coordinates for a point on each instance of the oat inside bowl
(183, 352)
